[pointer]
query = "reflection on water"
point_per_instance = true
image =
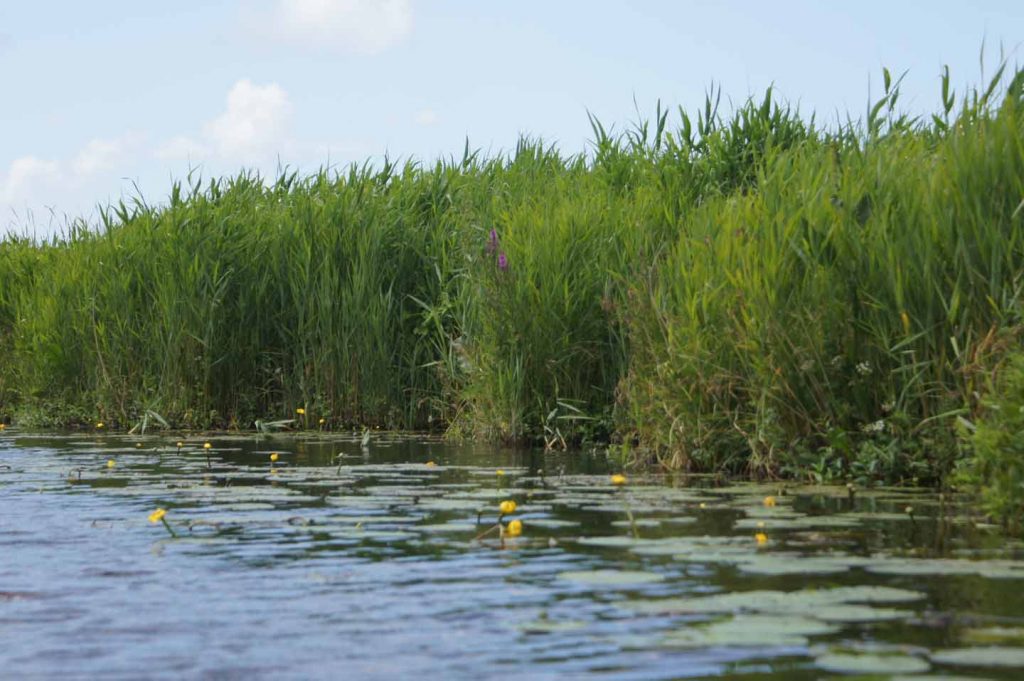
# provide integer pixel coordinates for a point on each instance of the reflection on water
(337, 560)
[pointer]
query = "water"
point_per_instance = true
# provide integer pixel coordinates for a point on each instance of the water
(366, 566)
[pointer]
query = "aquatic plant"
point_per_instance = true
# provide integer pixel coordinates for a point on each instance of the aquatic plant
(746, 292)
(160, 516)
(997, 468)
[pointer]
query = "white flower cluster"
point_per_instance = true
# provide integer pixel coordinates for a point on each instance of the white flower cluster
(875, 427)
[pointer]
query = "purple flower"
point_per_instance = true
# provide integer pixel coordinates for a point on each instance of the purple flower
(502, 262)
(492, 241)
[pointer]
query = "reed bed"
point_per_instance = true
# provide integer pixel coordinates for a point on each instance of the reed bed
(743, 292)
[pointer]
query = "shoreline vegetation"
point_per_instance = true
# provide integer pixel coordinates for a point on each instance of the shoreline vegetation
(748, 293)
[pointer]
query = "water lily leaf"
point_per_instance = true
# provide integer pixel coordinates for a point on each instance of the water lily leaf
(990, 656)
(455, 526)
(994, 635)
(858, 613)
(545, 626)
(751, 631)
(611, 577)
(871, 664)
(639, 522)
(781, 564)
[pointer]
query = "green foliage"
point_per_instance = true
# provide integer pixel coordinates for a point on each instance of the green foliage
(997, 468)
(748, 292)
(842, 312)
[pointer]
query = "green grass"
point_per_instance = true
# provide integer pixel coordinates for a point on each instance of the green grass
(749, 292)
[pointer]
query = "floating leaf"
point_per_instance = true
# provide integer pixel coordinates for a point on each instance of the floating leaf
(611, 577)
(871, 664)
(992, 656)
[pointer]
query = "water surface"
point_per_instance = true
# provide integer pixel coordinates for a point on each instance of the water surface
(339, 560)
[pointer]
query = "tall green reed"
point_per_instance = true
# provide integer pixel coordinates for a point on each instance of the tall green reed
(749, 291)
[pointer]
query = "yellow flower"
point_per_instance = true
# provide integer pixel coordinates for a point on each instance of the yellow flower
(157, 515)
(207, 445)
(138, 445)
(430, 464)
(99, 424)
(761, 538)
(323, 421)
(515, 528)
(111, 463)
(2, 426)
(507, 506)
(180, 444)
(274, 456)
(499, 472)
(300, 411)
(769, 502)
(618, 479)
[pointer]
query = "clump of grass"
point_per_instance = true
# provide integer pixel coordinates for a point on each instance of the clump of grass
(745, 292)
(997, 468)
(846, 307)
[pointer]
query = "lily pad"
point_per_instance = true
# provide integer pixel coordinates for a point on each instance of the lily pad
(744, 631)
(844, 663)
(611, 577)
(546, 626)
(982, 656)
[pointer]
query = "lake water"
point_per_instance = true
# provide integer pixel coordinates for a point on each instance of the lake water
(344, 561)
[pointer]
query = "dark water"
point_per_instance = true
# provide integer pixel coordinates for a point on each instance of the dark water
(366, 566)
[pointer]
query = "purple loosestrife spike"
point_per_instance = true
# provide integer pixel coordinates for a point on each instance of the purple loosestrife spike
(492, 241)
(502, 262)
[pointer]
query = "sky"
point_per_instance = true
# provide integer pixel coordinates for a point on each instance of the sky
(110, 99)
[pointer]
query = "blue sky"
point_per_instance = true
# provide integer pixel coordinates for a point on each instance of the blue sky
(107, 95)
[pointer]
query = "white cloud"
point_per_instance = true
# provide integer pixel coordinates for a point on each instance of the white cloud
(358, 26)
(27, 177)
(253, 124)
(426, 117)
(252, 129)
(181, 148)
(101, 155)
(31, 179)
(72, 183)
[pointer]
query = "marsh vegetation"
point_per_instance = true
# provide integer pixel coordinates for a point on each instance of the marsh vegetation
(749, 292)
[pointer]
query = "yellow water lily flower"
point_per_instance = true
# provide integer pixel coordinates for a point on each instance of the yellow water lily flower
(769, 502)
(111, 463)
(323, 421)
(3, 426)
(703, 505)
(618, 479)
(761, 538)
(207, 445)
(157, 515)
(180, 444)
(430, 464)
(274, 456)
(515, 528)
(300, 411)
(507, 506)
(499, 472)
(99, 424)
